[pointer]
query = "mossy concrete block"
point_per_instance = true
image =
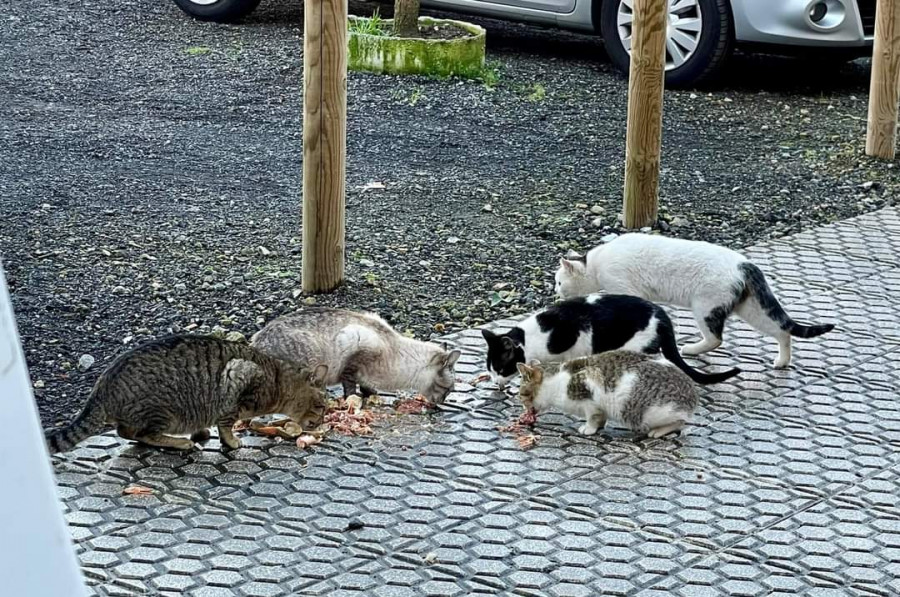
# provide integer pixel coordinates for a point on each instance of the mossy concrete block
(407, 56)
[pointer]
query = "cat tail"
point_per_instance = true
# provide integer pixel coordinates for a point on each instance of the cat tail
(666, 333)
(90, 421)
(758, 288)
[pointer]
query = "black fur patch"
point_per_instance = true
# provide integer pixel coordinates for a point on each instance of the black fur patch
(612, 321)
(716, 318)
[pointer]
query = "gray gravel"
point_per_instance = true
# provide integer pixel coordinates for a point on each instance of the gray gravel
(150, 175)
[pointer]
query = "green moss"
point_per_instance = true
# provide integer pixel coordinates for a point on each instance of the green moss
(461, 57)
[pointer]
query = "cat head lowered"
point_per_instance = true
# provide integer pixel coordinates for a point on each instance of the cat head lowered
(440, 375)
(533, 376)
(571, 279)
(303, 395)
(502, 357)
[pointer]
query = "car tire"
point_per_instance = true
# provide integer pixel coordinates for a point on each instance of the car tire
(220, 11)
(714, 46)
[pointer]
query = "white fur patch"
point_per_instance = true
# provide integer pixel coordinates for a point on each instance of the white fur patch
(644, 338)
(663, 414)
(537, 340)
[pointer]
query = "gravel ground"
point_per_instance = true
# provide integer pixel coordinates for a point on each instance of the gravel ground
(151, 178)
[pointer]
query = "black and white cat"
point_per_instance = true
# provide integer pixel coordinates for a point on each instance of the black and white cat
(713, 281)
(589, 325)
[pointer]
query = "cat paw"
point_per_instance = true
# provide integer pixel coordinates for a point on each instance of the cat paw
(665, 430)
(182, 444)
(781, 363)
(587, 429)
(231, 443)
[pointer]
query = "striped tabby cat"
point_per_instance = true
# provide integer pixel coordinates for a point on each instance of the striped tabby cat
(186, 384)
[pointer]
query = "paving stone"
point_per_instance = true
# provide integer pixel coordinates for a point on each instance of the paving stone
(785, 483)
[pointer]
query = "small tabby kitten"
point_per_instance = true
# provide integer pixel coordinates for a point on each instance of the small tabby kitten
(360, 349)
(186, 384)
(647, 395)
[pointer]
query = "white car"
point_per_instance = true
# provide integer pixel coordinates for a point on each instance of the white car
(701, 34)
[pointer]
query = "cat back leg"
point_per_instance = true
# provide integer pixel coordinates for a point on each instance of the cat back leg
(751, 312)
(710, 319)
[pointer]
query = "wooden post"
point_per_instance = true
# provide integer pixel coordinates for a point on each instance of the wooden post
(324, 142)
(884, 89)
(645, 102)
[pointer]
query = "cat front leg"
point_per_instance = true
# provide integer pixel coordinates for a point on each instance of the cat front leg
(226, 435)
(595, 421)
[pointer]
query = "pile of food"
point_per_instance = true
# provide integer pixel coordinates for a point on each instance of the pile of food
(344, 415)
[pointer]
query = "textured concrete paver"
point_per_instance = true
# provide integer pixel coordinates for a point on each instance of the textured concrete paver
(785, 484)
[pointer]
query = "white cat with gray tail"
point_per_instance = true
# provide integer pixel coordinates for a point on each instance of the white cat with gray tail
(713, 281)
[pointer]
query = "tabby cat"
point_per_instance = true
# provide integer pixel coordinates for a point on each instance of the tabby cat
(186, 384)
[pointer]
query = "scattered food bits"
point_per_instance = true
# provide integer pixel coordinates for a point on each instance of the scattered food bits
(483, 377)
(240, 426)
(413, 406)
(137, 490)
(526, 420)
(430, 558)
(528, 441)
(306, 440)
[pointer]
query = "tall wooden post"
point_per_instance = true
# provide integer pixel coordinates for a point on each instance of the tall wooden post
(884, 89)
(324, 142)
(645, 102)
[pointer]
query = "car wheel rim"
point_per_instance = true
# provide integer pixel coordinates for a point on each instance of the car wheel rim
(685, 23)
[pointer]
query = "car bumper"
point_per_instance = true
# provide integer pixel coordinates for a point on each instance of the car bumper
(847, 23)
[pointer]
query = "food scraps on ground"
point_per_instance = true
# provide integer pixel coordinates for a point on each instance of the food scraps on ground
(521, 426)
(345, 417)
(240, 425)
(307, 439)
(283, 428)
(413, 406)
(430, 557)
(137, 490)
(483, 377)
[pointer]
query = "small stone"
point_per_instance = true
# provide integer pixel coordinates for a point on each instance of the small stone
(367, 263)
(355, 524)
(598, 210)
(85, 362)
(678, 221)
(581, 205)
(127, 339)
(487, 207)
(609, 237)
(39, 384)
(296, 292)
(425, 263)
(264, 251)
(181, 286)
(646, 229)
(597, 222)
(119, 290)
(452, 240)
(46, 206)
(866, 185)
(310, 300)
(235, 337)
(430, 557)
(664, 226)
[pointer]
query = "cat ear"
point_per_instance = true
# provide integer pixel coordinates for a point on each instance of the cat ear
(489, 336)
(524, 370)
(508, 344)
(318, 375)
(566, 265)
(452, 358)
(574, 255)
